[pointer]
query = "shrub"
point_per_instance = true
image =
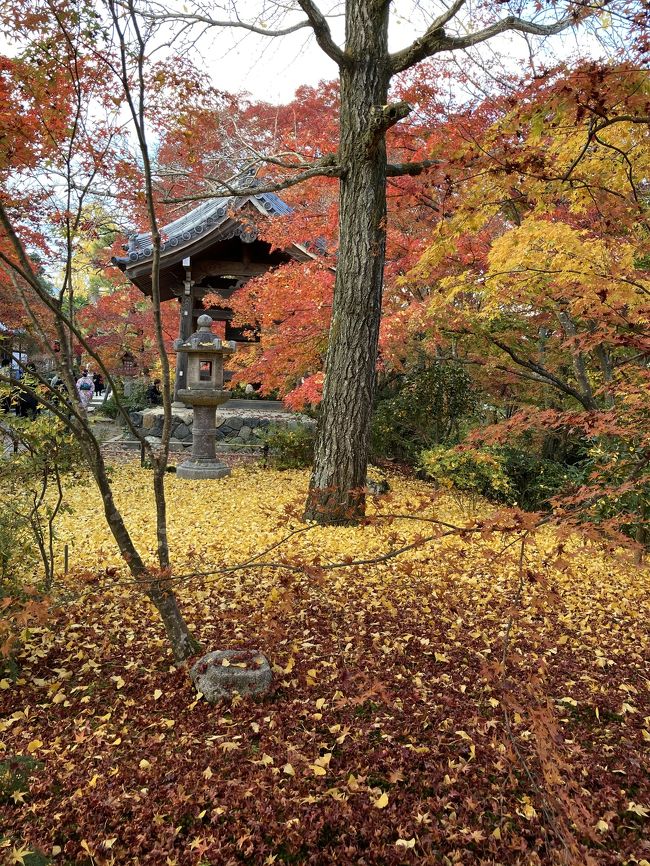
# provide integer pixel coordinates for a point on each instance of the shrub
(614, 462)
(427, 410)
(17, 551)
(535, 480)
(468, 474)
(504, 474)
(289, 449)
(136, 400)
(31, 493)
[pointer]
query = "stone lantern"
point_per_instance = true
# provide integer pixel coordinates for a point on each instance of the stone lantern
(204, 391)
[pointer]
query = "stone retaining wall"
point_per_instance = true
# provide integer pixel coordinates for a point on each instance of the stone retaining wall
(236, 427)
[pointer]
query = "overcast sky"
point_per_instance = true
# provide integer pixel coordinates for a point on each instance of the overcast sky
(271, 69)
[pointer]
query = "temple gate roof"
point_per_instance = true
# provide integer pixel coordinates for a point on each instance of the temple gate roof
(216, 228)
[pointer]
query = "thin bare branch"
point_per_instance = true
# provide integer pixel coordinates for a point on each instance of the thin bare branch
(410, 169)
(541, 371)
(194, 18)
(325, 167)
(435, 40)
(322, 31)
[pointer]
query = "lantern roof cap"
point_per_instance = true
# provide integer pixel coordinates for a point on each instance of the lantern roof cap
(204, 341)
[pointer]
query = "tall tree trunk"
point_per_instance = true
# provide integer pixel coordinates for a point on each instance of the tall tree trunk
(336, 492)
(579, 366)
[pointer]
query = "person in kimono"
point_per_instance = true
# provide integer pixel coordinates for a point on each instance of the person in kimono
(85, 388)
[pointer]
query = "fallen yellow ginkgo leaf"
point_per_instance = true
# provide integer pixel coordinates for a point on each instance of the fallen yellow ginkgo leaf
(406, 843)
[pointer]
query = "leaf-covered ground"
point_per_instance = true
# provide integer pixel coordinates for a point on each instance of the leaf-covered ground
(394, 732)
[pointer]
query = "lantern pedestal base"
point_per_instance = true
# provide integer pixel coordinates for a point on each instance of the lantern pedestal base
(202, 468)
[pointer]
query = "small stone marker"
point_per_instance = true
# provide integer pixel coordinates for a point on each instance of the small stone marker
(377, 486)
(224, 673)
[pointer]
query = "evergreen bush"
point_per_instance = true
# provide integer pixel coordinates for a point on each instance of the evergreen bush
(427, 409)
(289, 449)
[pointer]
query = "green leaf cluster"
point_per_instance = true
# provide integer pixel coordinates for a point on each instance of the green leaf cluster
(470, 470)
(289, 449)
(426, 408)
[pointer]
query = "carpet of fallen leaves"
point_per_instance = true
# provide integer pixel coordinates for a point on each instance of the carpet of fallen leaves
(396, 731)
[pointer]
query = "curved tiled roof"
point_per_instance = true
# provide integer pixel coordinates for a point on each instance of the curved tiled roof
(205, 219)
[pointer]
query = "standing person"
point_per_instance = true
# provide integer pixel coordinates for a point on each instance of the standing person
(154, 394)
(85, 388)
(98, 382)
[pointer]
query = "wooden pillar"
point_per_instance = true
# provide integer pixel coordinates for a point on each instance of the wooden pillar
(185, 329)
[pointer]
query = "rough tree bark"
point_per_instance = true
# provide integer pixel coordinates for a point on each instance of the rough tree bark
(336, 493)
